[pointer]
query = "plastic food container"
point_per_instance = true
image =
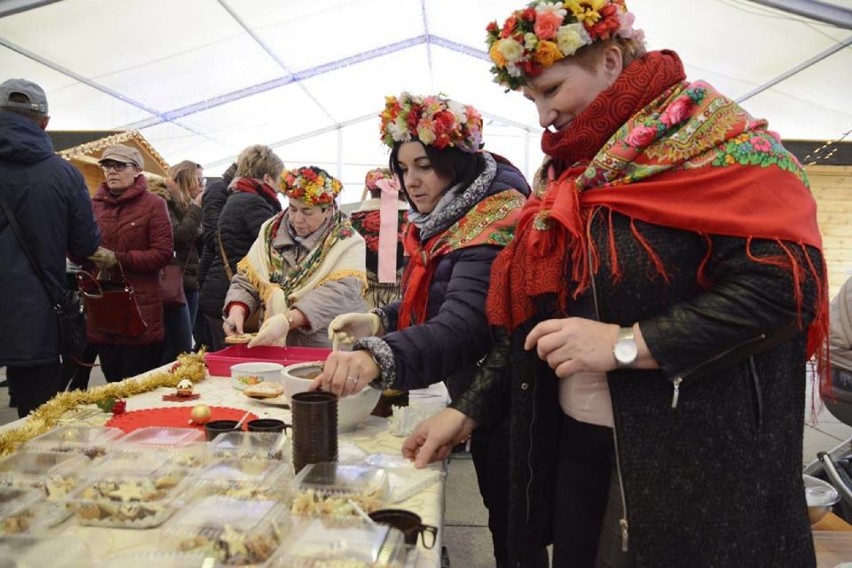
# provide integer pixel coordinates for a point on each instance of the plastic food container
(250, 446)
(130, 501)
(158, 559)
(235, 532)
(32, 518)
(235, 469)
(184, 447)
(254, 372)
(88, 440)
(219, 362)
(55, 474)
(162, 437)
(318, 543)
(332, 489)
(52, 552)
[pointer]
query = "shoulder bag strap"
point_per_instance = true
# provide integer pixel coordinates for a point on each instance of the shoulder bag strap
(228, 272)
(13, 222)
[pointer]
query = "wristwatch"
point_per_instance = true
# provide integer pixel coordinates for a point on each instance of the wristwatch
(625, 349)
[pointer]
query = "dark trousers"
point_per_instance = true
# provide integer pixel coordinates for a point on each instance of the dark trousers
(76, 371)
(119, 362)
(33, 386)
(217, 334)
(178, 326)
(489, 449)
(588, 499)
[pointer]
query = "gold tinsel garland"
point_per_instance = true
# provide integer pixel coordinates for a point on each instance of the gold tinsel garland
(189, 366)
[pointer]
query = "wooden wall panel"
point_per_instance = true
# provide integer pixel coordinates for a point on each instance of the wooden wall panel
(832, 189)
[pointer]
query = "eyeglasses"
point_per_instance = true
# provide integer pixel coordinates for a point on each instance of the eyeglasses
(117, 166)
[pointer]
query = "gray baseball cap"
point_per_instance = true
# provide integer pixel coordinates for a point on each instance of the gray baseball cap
(122, 153)
(34, 93)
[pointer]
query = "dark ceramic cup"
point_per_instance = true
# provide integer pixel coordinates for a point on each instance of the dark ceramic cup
(266, 425)
(410, 524)
(216, 427)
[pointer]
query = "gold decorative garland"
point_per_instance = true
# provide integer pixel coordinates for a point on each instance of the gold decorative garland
(189, 366)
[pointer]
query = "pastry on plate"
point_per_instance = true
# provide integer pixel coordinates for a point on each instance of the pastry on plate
(264, 389)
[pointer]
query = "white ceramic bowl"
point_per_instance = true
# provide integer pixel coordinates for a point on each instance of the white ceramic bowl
(351, 410)
(245, 374)
(821, 497)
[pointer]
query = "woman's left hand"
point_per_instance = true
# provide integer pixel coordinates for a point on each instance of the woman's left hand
(346, 372)
(572, 345)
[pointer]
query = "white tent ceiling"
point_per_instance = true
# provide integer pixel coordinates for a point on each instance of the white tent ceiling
(201, 79)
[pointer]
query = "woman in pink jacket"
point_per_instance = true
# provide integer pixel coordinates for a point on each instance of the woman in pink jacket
(137, 234)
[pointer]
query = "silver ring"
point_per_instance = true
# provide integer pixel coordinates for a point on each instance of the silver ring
(353, 380)
(229, 323)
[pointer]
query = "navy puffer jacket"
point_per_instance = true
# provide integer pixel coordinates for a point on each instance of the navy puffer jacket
(455, 334)
(49, 199)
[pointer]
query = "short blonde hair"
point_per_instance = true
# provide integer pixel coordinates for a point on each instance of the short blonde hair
(257, 160)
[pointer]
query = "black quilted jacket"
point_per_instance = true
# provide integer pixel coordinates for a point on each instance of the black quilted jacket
(716, 480)
(239, 223)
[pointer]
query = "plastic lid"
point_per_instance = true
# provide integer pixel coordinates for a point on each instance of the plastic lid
(41, 463)
(237, 532)
(315, 543)
(75, 436)
(158, 559)
(163, 437)
(339, 489)
(56, 552)
(234, 469)
(131, 501)
(249, 445)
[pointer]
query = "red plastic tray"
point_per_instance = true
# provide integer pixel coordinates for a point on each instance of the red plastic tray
(219, 362)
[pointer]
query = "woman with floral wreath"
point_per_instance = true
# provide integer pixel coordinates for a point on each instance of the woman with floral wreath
(464, 208)
(306, 266)
(655, 312)
(382, 220)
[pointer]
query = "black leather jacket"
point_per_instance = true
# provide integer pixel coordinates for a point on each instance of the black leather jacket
(736, 350)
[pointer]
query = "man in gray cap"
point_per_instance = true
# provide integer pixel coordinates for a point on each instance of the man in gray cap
(50, 202)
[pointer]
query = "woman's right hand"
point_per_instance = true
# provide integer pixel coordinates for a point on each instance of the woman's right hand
(434, 438)
(234, 321)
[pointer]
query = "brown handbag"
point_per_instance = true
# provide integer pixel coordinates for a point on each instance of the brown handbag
(111, 307)
(171, 286)
(171, 283)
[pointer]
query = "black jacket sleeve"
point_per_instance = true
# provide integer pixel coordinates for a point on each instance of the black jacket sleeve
(750, 307)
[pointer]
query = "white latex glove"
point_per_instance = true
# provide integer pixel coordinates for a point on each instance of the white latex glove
(272, 332)
(349, 328)
(277, 303)
(104, 258)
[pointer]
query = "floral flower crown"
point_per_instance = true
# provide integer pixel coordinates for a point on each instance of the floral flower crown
(375, 175)
(310, 184)
(433, 120)
(545, 32)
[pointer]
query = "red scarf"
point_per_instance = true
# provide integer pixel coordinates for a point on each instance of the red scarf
(260, 188)
(667, 152)
(490, 222)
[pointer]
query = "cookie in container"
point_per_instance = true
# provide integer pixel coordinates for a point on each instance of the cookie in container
(339, 490)
(233, 531)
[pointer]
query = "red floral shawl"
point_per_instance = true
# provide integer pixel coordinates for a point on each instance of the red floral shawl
(490, 222)
(659, 149)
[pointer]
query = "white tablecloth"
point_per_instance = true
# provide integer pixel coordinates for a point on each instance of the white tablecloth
(371, 437)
